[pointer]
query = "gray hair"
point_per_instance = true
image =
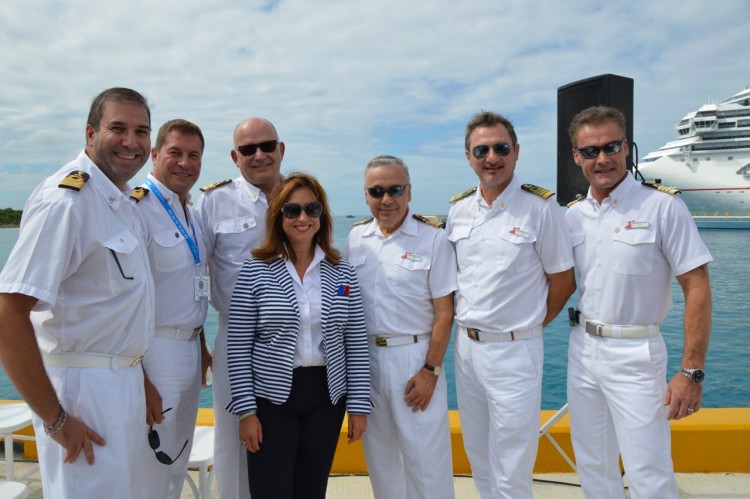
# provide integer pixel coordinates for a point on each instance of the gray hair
(388, 161)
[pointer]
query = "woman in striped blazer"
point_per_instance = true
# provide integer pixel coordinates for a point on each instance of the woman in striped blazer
(297, 348)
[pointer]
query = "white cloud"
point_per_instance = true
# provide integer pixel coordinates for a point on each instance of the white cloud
(346, 80)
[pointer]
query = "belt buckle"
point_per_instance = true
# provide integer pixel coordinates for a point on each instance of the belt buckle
(136, 361)
(472, 333)
(594, 328)
(381, 342)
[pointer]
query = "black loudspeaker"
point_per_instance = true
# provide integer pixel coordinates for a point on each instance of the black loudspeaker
(603, 90)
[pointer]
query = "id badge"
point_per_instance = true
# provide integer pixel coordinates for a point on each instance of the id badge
(202, 287)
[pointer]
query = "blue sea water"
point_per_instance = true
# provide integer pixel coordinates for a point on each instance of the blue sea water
(727, 365)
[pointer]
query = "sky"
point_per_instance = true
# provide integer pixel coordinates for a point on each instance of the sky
(346, 80)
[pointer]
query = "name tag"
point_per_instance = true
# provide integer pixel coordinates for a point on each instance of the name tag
(518, 232)
(411, 256)
(202, 287)
(632, 224)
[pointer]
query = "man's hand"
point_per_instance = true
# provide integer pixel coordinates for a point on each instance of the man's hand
(75, 437)
(419, 390)
(153, 403)
(683, 397)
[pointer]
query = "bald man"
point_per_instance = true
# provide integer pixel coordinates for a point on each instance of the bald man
(233, 214)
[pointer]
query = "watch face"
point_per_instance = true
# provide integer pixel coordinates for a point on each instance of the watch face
(698, 376)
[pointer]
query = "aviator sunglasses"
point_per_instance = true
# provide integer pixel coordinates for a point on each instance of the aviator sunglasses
(591, 152)
(393, 191)
(482, 150)
(294, 210)
(154, 442)
(250, 149)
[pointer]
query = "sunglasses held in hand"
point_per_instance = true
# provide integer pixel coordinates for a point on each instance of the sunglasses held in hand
(155, 442)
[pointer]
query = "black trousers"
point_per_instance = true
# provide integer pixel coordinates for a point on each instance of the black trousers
(299, 440)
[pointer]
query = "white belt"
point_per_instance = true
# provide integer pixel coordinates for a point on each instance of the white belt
(98, 361)
(177, 334)
(521, 334)
(396, 341)
(595, 328)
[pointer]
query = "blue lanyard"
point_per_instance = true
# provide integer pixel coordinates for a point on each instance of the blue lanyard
(189, 240)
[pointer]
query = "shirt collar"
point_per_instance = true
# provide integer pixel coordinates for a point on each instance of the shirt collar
(619, 192)
(408, 227)
(253, 192)
(168, 193)
(103, 185)
(503, 199)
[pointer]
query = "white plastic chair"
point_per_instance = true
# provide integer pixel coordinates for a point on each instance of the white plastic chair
(14, 417)
(12, 490)
(202, 457)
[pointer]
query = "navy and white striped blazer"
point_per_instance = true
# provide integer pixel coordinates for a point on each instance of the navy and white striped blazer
(263, 325)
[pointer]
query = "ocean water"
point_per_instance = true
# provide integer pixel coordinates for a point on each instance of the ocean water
(727, 365)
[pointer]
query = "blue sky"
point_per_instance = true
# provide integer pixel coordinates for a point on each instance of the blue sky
(344, 81)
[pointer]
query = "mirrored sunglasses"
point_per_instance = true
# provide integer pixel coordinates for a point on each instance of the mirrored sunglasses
(250, 149)
(591, 152)
(294, 210)
(393, 191)
(482, 150)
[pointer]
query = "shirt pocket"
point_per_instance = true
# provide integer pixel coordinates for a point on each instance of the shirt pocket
(167, 251)
(512, 247)
(411, 273)
(576, 240)
(633, 251)
(234, 235)
(124, 264)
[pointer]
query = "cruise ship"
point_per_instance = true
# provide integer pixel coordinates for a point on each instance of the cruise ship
(709, 162)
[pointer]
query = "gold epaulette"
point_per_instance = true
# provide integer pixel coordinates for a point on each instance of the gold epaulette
(138, 193)
(459, 197)
(429, 221)
(74, 180)
(578, 198)
(539, 191)
(662, 188)
(209, 187)
(362, 222)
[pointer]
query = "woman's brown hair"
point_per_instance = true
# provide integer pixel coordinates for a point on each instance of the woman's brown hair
(274, 244)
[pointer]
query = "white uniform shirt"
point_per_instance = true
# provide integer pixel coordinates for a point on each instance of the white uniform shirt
(627, 250)
(233, 217)
(504, 254)
(65, 257)
(309, 350)
(399, 276)
(172, 262)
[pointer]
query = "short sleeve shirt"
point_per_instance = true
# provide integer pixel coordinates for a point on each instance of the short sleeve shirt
(400, 276)
(504, 254)
(82, 254)
(628, 248)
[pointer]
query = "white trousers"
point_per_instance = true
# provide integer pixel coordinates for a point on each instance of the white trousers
(499, 391)
(173, 366)
(112, 403)
(616, 390)
(408, 454)
(230, 457)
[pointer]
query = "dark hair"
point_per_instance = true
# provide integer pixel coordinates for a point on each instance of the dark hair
(595, 116)
(178, 125)
(116, 94)
(274, 242)
(489, 119)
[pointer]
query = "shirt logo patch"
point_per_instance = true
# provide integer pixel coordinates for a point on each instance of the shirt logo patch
(343, 290)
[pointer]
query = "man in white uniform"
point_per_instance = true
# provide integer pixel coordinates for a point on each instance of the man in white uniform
(77, 309)
(628, 241)
(233, 216)
(407, 273)
(178, 254)
(514, 276)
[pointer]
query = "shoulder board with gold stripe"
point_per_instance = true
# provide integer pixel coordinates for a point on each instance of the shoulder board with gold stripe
(662, 188)
(74, 180)
(459, 197)
(539, 191)
(362, 222)
(429, 221)
(138, 193)
(210, 187)
(579, 198)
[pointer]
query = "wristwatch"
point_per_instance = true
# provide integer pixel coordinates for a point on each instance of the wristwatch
(694, 375)
(436, 370)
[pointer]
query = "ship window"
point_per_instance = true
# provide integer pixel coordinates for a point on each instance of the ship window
(730, 158)
(708, 158)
